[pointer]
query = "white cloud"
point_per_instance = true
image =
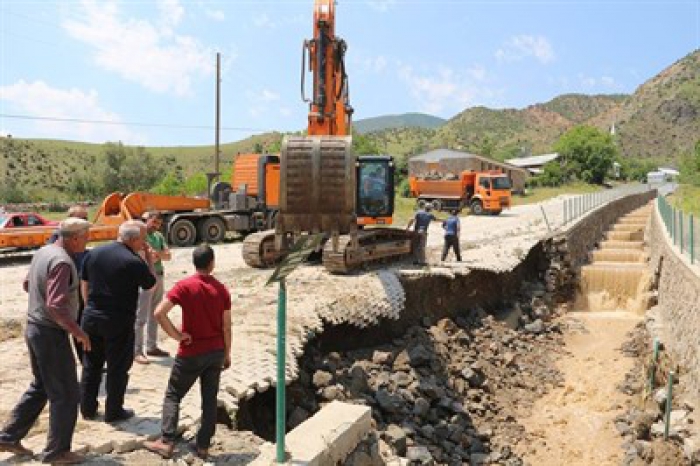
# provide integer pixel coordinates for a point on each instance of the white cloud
(39, 99)
(216, 15)
(260, 102)
(591, 83)
(439, 93)
(523, 46)
(382, 5)
(149, 53)
(477, 72)
(269, 96)
(264, 21)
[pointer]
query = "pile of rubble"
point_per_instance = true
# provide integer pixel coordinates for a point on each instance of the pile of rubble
(445, 392)
(436, 175)
(642, 425)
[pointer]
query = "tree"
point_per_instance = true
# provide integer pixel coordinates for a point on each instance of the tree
(587, 153)
(362, 145)
(690, 166)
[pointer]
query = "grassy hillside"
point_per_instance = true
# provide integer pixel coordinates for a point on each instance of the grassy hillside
(44, 169)
(406, 120)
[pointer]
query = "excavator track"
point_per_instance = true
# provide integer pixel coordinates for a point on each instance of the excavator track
(374, 245)
(259, 250)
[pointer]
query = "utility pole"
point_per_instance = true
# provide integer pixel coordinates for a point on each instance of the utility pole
(217, 128)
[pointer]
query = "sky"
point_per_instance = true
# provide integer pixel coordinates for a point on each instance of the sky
(144, 72)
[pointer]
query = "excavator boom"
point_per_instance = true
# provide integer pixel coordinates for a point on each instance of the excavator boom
(317, 172)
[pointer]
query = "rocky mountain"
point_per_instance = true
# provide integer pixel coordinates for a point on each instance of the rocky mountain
(661, 120)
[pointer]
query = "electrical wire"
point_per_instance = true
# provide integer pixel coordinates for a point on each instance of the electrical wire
(133, 123)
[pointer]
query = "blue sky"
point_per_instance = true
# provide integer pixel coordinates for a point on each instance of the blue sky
(142, 63)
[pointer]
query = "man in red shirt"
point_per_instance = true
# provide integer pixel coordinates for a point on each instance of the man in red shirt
(205, 348)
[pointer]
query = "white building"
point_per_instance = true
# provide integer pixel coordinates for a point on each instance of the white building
(534, 163)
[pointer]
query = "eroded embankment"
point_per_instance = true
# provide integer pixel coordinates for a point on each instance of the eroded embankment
(446, 381)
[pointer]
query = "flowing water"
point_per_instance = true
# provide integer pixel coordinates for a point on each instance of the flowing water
(618, 278)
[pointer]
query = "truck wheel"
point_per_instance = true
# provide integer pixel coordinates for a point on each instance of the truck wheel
(477, 208)
(421, 203)
(212, 230)
(182, 233)
(437, 205)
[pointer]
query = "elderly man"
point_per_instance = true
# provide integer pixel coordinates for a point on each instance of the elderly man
(111, 278)
(52, 284)
(149, 299)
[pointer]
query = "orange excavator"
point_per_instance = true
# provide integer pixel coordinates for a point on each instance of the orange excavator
(323, 186)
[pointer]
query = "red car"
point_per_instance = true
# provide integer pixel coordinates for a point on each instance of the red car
(24, 220)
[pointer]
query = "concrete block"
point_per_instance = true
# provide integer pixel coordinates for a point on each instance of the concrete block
(327, 437)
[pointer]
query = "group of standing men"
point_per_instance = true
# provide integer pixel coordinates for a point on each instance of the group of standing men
(121, 284)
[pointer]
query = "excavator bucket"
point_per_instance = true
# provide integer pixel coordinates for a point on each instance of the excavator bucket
(317, 180)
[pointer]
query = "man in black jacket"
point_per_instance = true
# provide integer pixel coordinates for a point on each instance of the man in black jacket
(111, 277)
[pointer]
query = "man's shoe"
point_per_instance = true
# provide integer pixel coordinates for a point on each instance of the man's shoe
(15, 448)
(157, 352)
(141, 359)
(202, 453)
(160, 447)
(121, 416)
(67, 457)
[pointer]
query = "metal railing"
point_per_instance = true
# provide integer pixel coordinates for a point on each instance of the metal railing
(681, 228)
(577, 206)
(561, 212)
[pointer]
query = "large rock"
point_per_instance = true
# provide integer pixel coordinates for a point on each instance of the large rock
(419, 455)
(419, 356)
(322, 379)
(396, 437)
(388, 402)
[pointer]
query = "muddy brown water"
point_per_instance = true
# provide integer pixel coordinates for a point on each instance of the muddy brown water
(574, 424)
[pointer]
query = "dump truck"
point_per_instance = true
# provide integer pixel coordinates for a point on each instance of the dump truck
(483, 192)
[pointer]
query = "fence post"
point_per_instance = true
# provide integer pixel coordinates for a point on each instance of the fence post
(680, 229)
(692, 240)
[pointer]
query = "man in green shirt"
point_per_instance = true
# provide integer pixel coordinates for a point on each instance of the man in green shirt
(149, 299)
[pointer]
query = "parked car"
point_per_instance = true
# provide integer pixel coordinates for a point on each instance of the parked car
(24, 220)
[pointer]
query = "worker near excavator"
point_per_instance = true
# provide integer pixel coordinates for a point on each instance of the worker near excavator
(149, 299)
(204, 350)
(452, 229)
(420, 222)
(111, 278)
(52, 284)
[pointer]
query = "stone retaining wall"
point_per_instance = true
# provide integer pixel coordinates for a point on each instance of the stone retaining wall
(678, 309)
(567, 251)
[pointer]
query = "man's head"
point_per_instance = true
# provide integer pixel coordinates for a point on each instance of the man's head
(153, 220)
(428, 207)
(74, 234)
(78, 211)
(454, 212)
(133, 234)
(203, 258)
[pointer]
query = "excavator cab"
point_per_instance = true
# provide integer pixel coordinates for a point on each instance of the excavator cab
(375, 190)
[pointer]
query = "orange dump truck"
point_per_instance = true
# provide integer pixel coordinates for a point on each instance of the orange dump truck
(482, 192)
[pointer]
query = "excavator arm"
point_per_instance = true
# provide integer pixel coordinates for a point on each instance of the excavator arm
(317, 172)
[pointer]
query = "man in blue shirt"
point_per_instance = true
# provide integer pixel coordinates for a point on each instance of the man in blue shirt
(421, 221)
(452, 229)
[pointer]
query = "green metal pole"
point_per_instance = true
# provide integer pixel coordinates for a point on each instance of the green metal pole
(655, 359)
(680, 229)
(669, 403)
(673, 225)
(692, 240)
(281, 365)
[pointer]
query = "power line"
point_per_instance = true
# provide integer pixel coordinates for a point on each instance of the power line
(133, 123)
